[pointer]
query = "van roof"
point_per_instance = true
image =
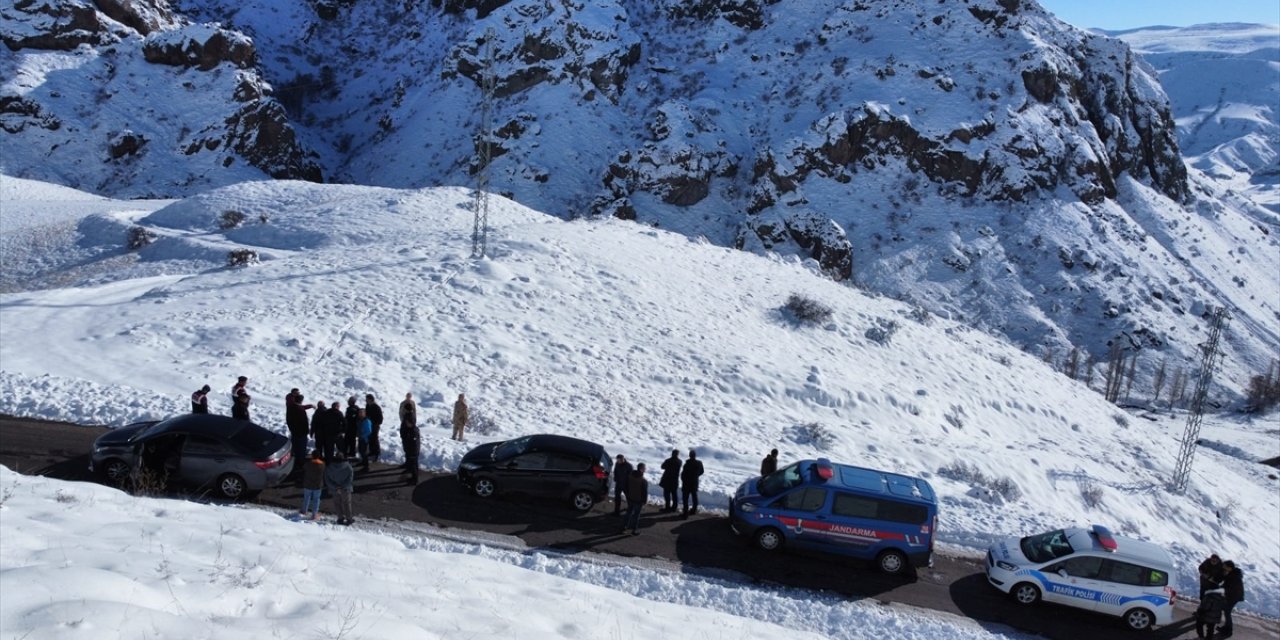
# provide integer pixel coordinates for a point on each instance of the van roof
(876, 481)
(1133, 549)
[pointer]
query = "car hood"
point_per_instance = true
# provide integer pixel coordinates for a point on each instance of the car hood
(1010, 550)
(482, 453)
(122, 435)
(748, 489)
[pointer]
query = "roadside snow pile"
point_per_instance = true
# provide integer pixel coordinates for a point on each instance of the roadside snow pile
(636, 338)
(142, 567)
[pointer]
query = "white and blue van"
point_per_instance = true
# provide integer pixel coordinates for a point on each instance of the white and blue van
(1087, 569)
(836, 508)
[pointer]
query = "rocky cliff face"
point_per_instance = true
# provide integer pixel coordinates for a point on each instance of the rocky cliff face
(118, 117)
(950, 153)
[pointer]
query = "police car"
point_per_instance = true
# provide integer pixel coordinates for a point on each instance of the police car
(1087, 569)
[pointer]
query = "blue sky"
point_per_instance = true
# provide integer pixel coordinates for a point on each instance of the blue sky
(1127, 14)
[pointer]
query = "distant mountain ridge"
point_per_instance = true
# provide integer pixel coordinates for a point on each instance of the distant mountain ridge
(1223, 82)
(979, 158)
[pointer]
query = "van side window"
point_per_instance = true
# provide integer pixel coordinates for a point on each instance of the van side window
(1157, 578)
(1083, 567)
(1124, 573)
(806, 499)
(854, 506)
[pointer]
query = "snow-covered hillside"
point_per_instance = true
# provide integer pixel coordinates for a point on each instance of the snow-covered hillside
(981, 160)
(640, 339)
(1223, 82)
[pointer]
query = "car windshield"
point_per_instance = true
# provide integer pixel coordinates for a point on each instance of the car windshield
(780, 480)
(1046, 546)
(511, 448)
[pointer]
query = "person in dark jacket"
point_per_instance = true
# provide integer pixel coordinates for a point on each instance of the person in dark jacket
(353, 425)
(689, 482)
(326, 427)
(621, 476)
(200, 400)
(242, 384)
(670, 481)
(1233, 590)
(1209, 613)
(769, 464)
(240, 410)
(410, 437)
(373, 411)
(312, 485)
(339, 479)
(637, 495)
(1210, 574)
(295, 418)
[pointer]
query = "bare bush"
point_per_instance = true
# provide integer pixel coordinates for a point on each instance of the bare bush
(139, 237)
(962, 471)
(882, 332)
(1264, 390)
(812, 433)
(230, 219)
(242, 257)
(806, 310)
(1091, 493)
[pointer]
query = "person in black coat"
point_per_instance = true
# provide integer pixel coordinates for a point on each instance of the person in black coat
(353, 422)
(1210, 574)
(328, 428)
(689, 482)
(1209, 613)
(240, 410)
(410, 437)
(769, 464)
(200, 400)
(670, 481)
(373, 411)
(637, 495)
(295, 418)
(621, 475)
(1233, 588)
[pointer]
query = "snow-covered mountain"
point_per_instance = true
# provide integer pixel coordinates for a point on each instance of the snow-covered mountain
(640, 339)
(1223, 81)
(978, 158)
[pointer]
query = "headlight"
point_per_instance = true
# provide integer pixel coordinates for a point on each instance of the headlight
(1005, 565)
(747, 507)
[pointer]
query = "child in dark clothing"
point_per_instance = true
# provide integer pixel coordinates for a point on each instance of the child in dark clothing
(1209, 613)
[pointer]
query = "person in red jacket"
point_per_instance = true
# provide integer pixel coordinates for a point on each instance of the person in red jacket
(200, 400)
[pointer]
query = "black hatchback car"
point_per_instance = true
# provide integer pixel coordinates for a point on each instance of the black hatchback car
(234, 457)
(540, 465)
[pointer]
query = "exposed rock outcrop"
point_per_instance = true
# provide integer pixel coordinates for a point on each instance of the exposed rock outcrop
(201, 46)
(60, 25)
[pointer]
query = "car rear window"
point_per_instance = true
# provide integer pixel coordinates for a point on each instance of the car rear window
(255, 440)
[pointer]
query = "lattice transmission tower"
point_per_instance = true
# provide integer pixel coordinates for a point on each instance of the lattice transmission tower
(484, 155)
(1191, 434)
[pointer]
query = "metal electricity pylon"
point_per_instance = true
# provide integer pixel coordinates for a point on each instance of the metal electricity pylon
(484, 155)
(1191, 435)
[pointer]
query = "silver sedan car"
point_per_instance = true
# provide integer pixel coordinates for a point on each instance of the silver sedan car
(232, 457)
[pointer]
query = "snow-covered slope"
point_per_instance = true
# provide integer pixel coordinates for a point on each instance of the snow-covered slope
(641, 339)
(1223, 82)
(981, 160)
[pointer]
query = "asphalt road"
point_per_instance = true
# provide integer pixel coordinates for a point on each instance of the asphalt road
(703, 543)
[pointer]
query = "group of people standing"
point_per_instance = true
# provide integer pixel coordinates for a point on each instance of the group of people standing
(1221, 589)
(677, 476)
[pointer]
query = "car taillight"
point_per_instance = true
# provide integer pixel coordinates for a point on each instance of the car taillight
(1173, 595)
(599, 471)
(267, 464)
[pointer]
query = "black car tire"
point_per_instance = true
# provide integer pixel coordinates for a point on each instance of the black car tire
(116, 471)
(583, 500)
(1025, 593)
(891, 562)
(232, 486)
(484, 487)
(1139, 619)
(769, 539)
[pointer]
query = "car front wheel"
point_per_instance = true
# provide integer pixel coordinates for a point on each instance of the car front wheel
(1025, 593)
(116, 471)
(484, 487)
(769, 539)
(232, 486)
(1139, 619)
(583, 500)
